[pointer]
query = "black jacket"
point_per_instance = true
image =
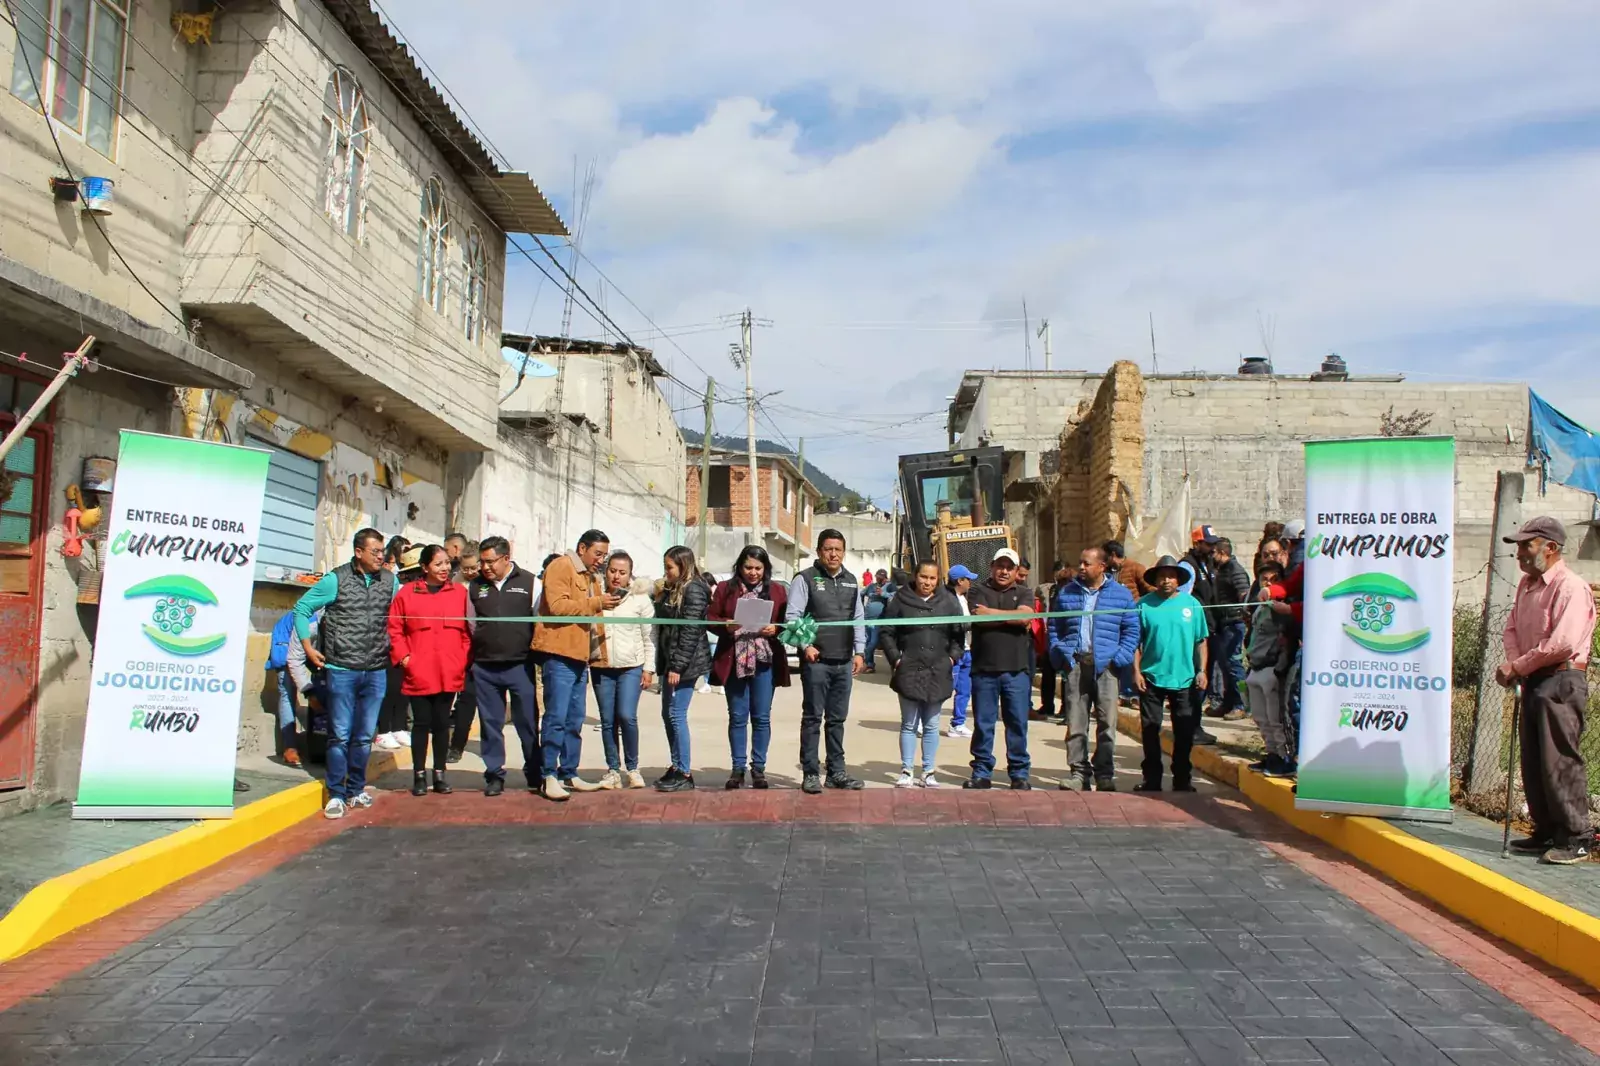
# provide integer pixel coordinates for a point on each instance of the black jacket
(1232, 586)
(922, 655)
(684, 650)
(1205, 578)
(501, 642)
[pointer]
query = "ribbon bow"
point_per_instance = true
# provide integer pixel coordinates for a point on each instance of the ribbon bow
(800, 633)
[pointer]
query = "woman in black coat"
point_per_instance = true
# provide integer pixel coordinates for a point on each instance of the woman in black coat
(921, 657)
(683, 656)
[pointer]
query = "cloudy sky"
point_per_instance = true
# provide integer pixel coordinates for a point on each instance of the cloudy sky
(1415, 185)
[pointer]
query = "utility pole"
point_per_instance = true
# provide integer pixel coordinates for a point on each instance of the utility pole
(75, 361)
(1044, 331)
(801, 499)
(705, 463)
(746, 338)
(1155, 364)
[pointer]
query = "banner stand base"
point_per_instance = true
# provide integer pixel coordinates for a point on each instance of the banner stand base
(1372, 810)
(185, 814)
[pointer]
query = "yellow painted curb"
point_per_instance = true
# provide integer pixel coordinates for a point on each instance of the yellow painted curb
(73, 900)
(1563, 936)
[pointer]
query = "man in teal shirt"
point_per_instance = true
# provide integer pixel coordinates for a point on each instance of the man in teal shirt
(1168, 669)
(354, 635)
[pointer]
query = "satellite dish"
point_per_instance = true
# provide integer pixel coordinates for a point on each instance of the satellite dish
(535, 369)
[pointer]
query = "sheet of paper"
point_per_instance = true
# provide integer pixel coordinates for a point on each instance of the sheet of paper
(752, 615)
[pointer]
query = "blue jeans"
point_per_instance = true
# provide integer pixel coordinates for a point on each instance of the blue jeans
(961, 677)
(998, 698)
(1229, 644)
(873, 632)
(617, 693)
(750, 712)
(565, 696)
(354, 697)
(493, 682)
(675, 716)
(288, 708)
(914, 714)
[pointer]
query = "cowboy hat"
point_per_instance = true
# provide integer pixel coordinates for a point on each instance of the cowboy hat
(1166, 562)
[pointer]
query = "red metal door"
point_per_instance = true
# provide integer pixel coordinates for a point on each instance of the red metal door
(22, 543)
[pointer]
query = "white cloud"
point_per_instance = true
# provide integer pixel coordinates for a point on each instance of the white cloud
(740, 176)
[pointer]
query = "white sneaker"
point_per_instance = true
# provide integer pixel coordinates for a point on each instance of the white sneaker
(611, 780)
(553, 791)
(952, 731)
(386, 742)
(362, 800)
(334, 809)
(905, 780)
(635, 779)
(701, 686)
(578, 784)
(964, 731)
(401, 739)
(929, 781)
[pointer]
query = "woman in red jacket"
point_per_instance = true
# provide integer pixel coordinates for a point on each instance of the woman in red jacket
(428, 638)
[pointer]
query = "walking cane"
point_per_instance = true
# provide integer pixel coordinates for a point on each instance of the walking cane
(1516, 711)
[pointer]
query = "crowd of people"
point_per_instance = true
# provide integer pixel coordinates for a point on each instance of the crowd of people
(449, 633)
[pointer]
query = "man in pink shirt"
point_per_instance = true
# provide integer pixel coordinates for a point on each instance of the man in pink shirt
(1547, 641)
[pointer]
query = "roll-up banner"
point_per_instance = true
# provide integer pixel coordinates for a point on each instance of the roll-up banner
(169, 654)
(1376, 662)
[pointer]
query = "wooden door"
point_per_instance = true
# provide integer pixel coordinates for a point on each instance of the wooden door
(22, 543)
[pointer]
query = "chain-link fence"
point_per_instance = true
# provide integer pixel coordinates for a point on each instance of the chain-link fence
(1480, 720)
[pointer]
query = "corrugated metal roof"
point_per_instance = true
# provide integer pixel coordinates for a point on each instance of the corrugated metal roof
(509, 198)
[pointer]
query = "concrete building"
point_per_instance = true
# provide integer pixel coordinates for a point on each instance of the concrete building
(1093, 449)
(305, 252)
(586, 441)
(788, 509)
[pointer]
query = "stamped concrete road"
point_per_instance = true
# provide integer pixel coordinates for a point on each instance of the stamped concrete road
(882, 926)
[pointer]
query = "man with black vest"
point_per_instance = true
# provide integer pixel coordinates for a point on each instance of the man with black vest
(829, 593)
(501, 663)
(354, 599)
(1199, 568)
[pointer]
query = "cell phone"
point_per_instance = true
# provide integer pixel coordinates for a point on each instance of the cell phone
(621, 594)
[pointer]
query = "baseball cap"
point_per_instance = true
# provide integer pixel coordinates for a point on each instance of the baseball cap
(957, 572)
(1203, 534)
(1295, 529)
(1543, 526)
(1008, 553)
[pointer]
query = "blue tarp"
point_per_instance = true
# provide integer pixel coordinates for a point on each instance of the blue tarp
(1562, 449)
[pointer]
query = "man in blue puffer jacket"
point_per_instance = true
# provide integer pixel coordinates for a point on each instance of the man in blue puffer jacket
(1091, 649)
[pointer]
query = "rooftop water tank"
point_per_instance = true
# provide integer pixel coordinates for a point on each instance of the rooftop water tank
(1333, 369)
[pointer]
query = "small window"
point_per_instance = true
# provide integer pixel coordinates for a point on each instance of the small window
(788, 495)
(433, 237)
(70, 51)
(720, 493)
(346, 138)
(475, 273)
(288, 515)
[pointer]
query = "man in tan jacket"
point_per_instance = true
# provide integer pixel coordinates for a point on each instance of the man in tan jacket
(572, 589)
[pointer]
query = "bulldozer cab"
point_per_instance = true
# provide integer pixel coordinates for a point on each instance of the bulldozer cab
(945, 492)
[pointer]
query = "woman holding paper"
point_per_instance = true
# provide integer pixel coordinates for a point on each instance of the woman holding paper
(749, 661)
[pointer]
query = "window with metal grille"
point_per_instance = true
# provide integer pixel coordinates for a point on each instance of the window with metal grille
(346, 138)
(69, 52)
(433, 238)
(288, 515)
(475, 296)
